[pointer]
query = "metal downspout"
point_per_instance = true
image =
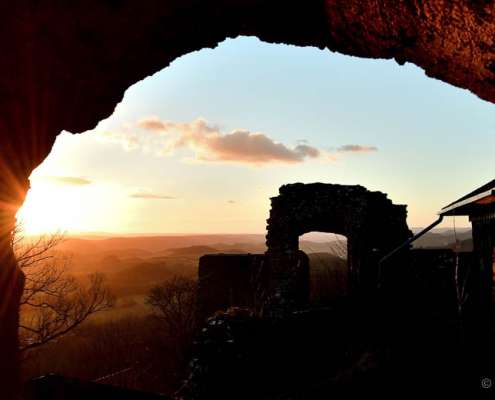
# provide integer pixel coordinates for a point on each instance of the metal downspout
(406, 243)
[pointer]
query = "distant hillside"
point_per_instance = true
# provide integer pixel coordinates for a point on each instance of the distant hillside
(332, 247)
(192, 251)
(137, 277)
(154, 243)
(328, 274)
(445, 238)
(181, 253)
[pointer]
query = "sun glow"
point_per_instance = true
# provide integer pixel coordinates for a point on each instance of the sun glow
(42, 212)
(65, 207)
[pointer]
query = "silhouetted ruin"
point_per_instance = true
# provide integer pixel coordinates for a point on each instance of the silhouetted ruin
(242, 280)
(372, 224)
(424, 311)
(228, 280)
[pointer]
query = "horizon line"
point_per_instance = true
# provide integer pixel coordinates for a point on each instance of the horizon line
(157, 234)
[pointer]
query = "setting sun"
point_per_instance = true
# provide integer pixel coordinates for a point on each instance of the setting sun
(66, 205)
(41, 214)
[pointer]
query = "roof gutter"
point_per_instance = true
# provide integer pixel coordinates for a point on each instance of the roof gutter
(405, 244)
(469, 200)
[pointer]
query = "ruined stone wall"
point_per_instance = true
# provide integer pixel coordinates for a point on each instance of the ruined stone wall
(241, 280)
(372, 224)
(228, 280)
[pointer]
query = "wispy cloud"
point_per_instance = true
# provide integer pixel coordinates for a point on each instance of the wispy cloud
(356, 148)
(239, 146)
(128, 140)
(150, 196)
(209, 143)
(67, 180)
(153, 124)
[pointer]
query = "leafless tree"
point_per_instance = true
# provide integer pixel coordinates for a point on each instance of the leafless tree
(461, 277)
(34, 251)
(329, 277)
(53, 303)
(174, 305)
(461, 281)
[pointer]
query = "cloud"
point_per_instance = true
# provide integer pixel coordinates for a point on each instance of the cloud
(150, 196)
(208, 143)
(308, 151)
(124, 137)
(131, 142)
(356, 148)
(67, 180)
(246, 147)
(153, 124)
(231, 201)
(239, 146)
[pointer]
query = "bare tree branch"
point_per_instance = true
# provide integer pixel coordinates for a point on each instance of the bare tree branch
(174, 305)
(54, 303)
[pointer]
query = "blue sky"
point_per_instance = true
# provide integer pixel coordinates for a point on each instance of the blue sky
(434, 142)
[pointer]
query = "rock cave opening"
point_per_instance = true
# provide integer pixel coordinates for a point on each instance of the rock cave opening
(45, 93)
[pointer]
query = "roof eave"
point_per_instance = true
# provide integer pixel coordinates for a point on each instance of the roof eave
(457, 208)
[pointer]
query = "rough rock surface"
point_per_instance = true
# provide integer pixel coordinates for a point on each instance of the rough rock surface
(238, 355)
(66, 64)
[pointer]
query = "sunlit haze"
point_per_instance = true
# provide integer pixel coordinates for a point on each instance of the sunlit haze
(201, 146)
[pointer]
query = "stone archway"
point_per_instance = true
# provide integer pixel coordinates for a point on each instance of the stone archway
(372, 224)
(65, 65)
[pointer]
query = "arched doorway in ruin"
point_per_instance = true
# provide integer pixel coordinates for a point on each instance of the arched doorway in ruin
(328, 277)
(372, 224)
